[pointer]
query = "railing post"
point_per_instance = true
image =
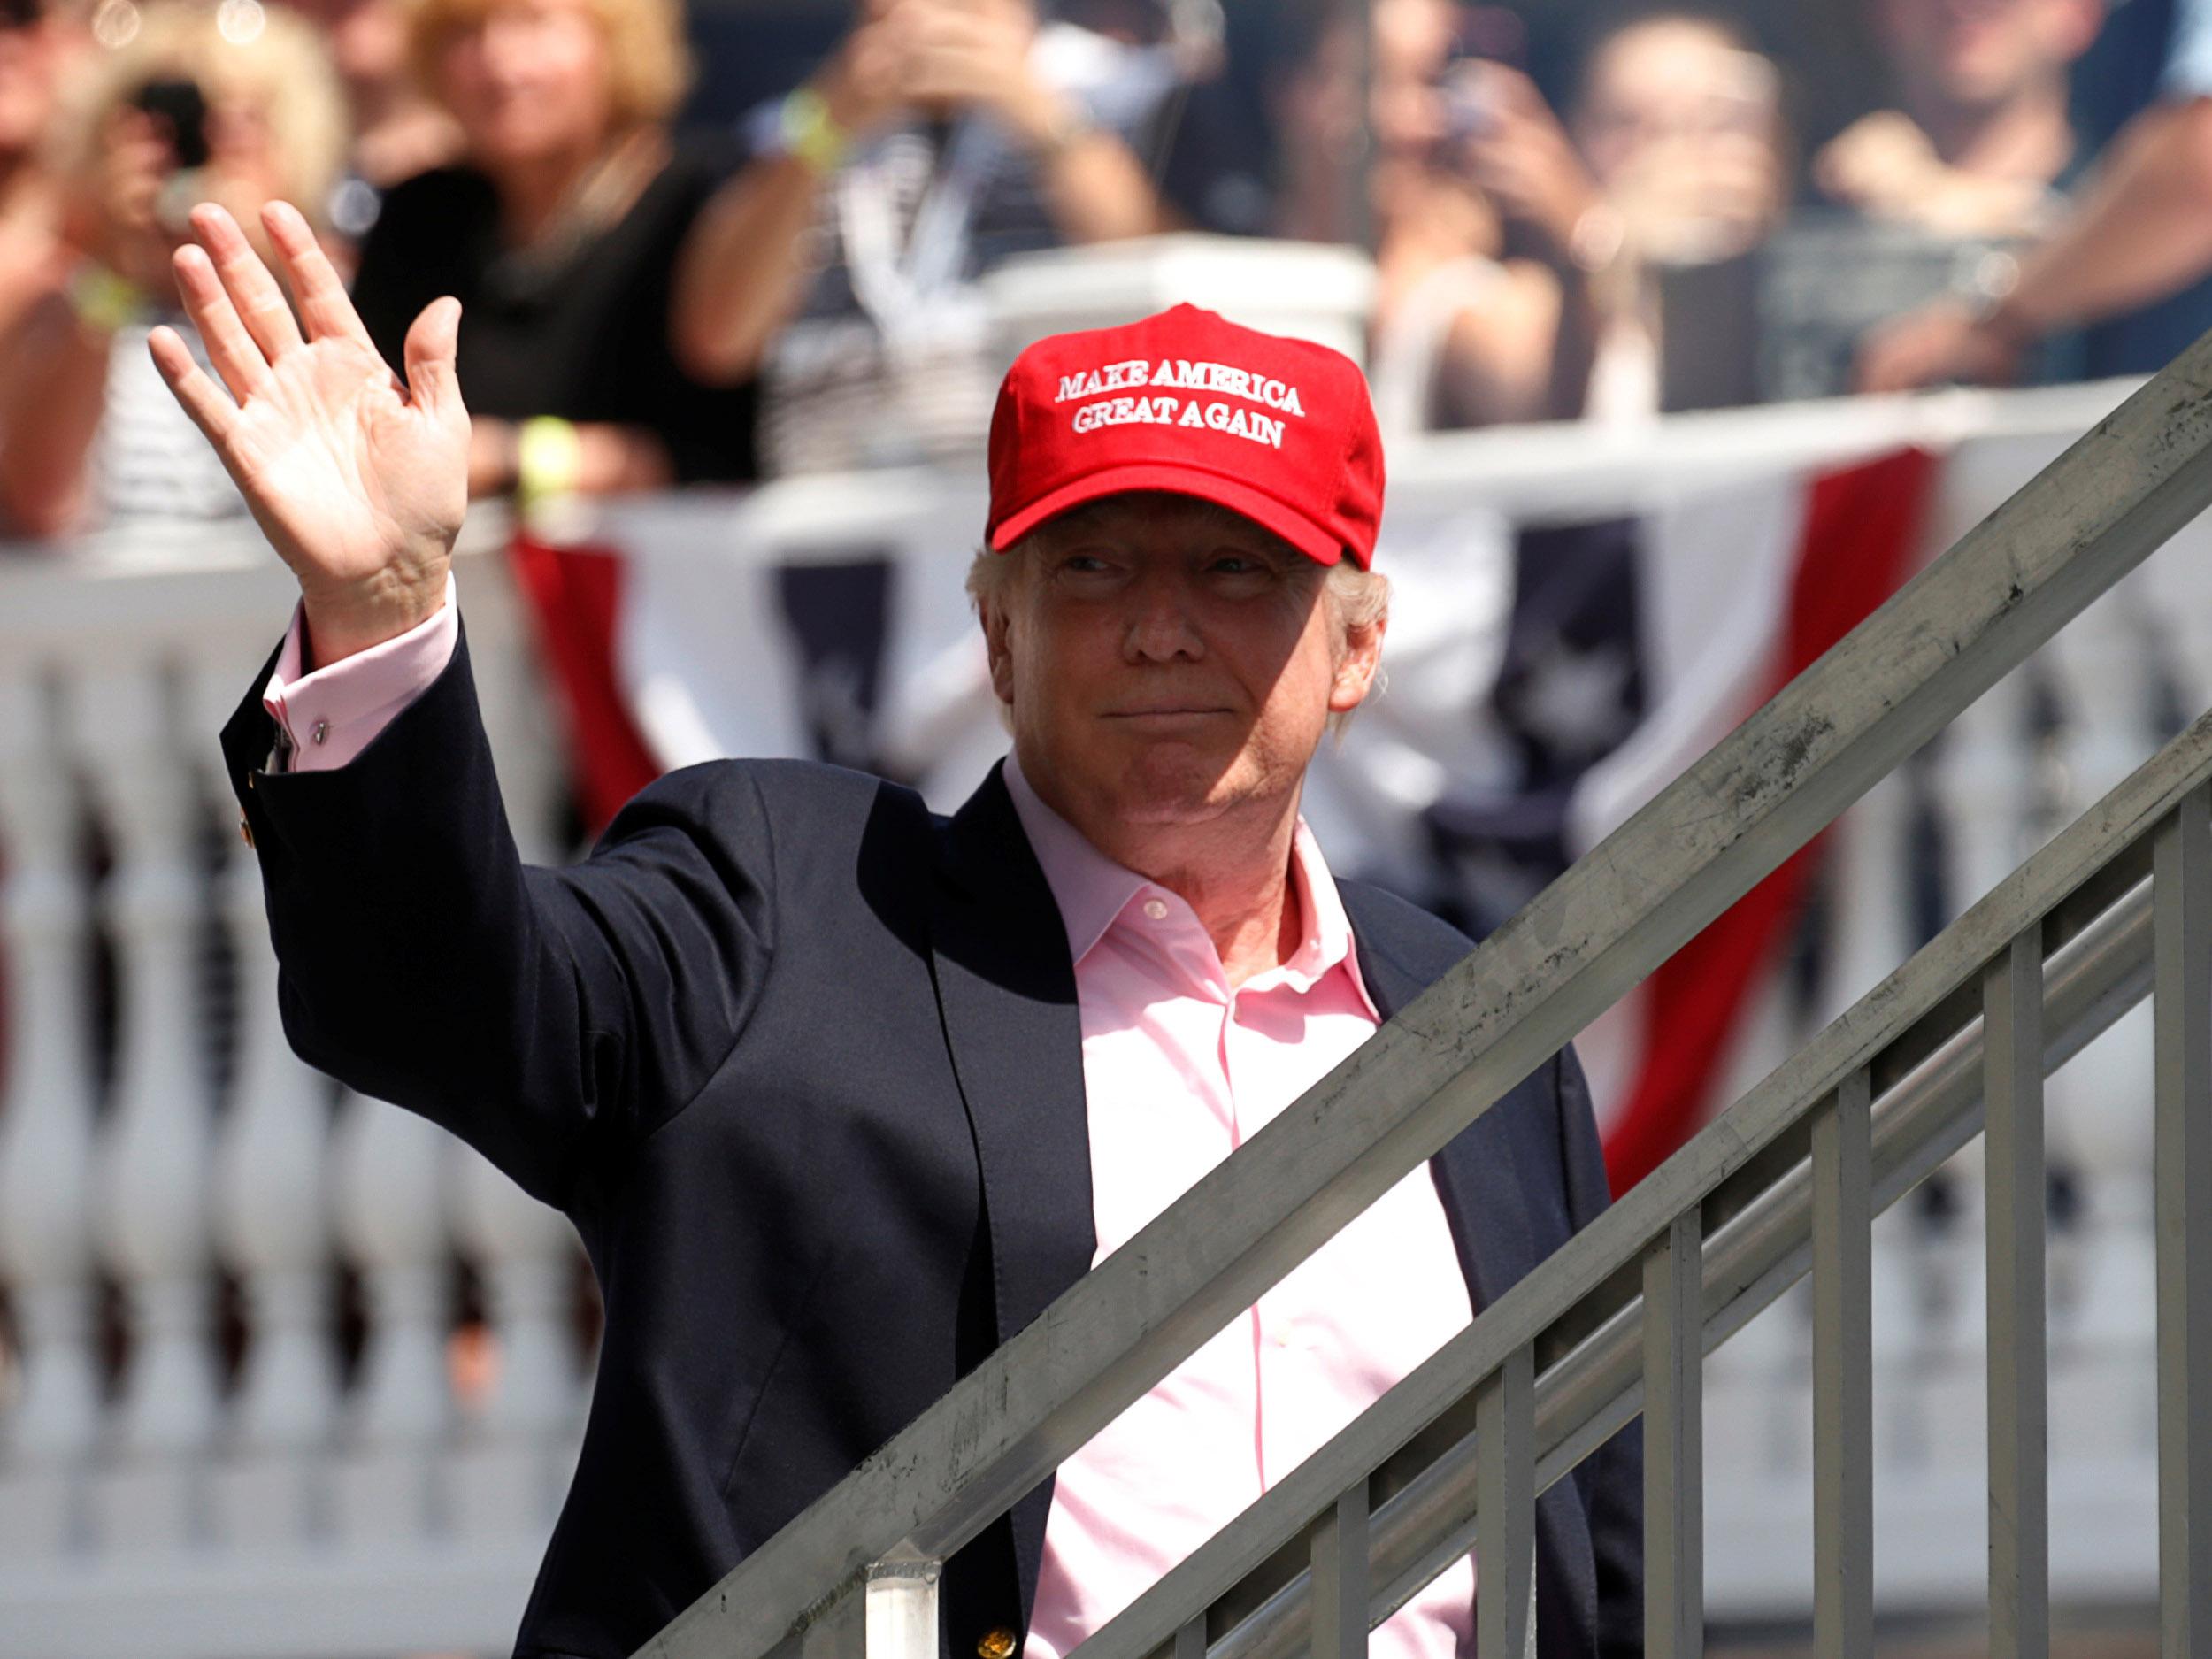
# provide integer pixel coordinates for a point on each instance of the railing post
(1340, 1578)
(1674, 1441)
(902, 1610)
(150, 1200)
(49, 1426)
(1505, 1512)
(2182, 934)
(2019, 1460)
(1843, 1373)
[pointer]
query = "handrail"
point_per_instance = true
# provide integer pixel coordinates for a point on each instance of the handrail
(2095, 513)
(1751, 1176)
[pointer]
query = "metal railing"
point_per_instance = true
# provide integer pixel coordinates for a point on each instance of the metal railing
(1616, 1322)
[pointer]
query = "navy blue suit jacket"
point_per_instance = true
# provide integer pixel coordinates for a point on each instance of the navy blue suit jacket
(803, 1064)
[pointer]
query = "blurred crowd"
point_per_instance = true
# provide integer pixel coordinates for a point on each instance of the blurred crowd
(751, 242)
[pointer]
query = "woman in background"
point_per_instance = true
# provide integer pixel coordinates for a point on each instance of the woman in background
(558, 231)
(180, 111)
(1676, 157)
(37, 45)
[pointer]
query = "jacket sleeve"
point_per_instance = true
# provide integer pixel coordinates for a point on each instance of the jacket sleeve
(548, 1017)
(1612, 1477)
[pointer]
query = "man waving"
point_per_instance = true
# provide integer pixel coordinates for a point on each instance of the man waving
(840, 1094)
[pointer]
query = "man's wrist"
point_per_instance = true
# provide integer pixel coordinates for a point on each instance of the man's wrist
(343, 624)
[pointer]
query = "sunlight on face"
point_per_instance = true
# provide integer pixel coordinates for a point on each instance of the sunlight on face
(1164, 663)
(528, 79)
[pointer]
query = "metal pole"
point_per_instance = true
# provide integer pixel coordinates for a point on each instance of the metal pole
(2019, 1460)
(1339, 1579)
(1843, 1373)
(2181, 893)
(1674, 1443)
(1505, 1515)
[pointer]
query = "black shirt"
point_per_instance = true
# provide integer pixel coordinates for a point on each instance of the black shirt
(582, 334)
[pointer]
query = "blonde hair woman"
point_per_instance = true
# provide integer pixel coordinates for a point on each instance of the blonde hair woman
(557, 230)
(177, 107)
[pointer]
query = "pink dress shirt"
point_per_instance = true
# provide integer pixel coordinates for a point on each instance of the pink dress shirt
(1178, 1070)
(328, 716)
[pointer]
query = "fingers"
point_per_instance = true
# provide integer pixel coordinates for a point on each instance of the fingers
(212, 412)
(314, 282)
(229, 347)
(260, 302)
(432, 340)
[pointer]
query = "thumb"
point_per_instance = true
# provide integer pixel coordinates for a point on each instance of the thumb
(432, 380)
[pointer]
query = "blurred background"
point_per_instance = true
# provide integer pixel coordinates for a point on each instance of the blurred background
(1695, 331)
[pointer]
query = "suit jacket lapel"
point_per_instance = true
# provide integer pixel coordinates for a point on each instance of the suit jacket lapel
(1007, 989)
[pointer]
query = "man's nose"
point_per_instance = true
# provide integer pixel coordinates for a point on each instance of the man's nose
(1160, 626)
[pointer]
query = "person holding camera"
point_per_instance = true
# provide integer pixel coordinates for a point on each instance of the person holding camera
(840, 265)
(179, 113)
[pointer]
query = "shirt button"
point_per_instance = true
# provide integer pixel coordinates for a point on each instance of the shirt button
(1156, 909)
(996, 1644)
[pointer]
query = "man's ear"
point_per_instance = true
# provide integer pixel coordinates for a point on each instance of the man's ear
(1355, 671)
(993, 615)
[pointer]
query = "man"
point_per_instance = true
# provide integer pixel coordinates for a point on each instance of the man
(1983, 142)
(840, 1095)
(2138, 234)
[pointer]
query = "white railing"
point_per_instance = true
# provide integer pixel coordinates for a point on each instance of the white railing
(238, 1411)
(381, 1494)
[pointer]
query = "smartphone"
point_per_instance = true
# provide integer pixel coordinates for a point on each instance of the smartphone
(180, 109)
(1483, 35)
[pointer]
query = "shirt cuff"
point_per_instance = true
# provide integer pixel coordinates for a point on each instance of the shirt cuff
(329, 716)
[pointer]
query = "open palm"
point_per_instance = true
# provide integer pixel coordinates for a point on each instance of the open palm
(359, 481)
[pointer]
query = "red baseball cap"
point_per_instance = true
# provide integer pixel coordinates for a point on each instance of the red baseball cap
(1278, 430)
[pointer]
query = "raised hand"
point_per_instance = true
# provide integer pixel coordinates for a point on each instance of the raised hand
(358, 482)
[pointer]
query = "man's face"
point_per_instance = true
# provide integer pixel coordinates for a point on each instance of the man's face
(1164, 663)
(1976, 53)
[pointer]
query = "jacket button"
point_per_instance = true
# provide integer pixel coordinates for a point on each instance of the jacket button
(998, 1643)
(245, 831)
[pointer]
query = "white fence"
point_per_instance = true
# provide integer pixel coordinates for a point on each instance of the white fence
(287, 1372)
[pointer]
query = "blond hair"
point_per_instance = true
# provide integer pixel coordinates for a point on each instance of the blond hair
(1356, 598)
(279, 67)
(648, 66)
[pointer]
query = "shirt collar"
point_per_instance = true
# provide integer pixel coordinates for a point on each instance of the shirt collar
(1090, 889)
(1093, 892)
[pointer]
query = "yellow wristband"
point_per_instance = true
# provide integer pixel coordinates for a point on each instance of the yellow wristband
(548, 457)
(812, 133)
(102, 300)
